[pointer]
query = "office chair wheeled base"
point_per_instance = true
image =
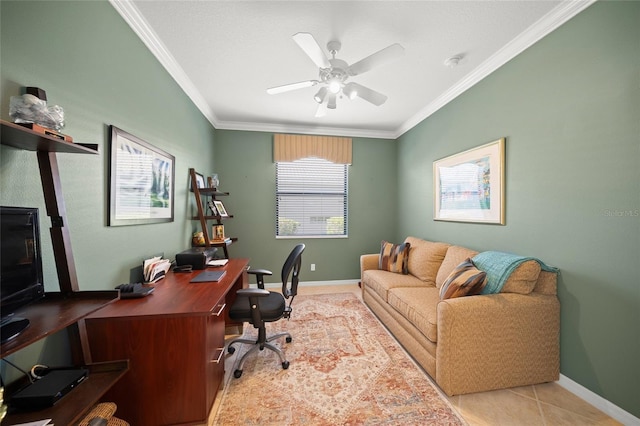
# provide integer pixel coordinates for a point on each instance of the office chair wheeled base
(257, 345)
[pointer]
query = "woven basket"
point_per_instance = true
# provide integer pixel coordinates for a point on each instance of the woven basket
(114, 421)
(104, 410)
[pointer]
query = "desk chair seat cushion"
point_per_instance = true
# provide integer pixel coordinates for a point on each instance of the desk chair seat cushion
(272, 308)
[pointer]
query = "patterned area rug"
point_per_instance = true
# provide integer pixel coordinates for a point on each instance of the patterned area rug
(345, 369)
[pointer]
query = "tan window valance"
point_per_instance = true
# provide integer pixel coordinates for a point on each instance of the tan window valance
(295, 147)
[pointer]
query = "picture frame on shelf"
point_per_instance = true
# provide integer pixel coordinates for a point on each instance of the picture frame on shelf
(222, 212)
(200, 180)
(212, 207)
(470, 186)
(141, 181)
(217, 232)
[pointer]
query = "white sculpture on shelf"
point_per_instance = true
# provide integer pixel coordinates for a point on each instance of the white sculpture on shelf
(29, 109)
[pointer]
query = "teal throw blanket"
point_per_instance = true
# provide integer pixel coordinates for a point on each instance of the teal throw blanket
(499, 266)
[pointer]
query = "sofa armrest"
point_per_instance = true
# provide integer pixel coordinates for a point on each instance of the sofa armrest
(369, 261)
(497, 341)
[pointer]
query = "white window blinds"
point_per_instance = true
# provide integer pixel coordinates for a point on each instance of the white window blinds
(311, 198)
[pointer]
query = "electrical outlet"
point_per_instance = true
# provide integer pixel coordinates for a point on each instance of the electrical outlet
(313, 267)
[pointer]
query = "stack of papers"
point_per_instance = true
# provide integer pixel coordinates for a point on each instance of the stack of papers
(155, 269)
(217, 262)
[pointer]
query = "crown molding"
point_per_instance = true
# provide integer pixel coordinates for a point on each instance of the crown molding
(305, 130)
(139, 25)
(545, 25)
(538, 30)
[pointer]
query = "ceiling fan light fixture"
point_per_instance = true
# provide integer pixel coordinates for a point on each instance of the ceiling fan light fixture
(331, 103)
(334, 86)
(333, 73)
(350, 91)
(319, 97)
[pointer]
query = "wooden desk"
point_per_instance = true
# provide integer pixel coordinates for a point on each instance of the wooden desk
(174, 340)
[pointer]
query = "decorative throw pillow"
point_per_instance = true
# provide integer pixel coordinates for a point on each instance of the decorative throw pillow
(394, 257)
(464, 280)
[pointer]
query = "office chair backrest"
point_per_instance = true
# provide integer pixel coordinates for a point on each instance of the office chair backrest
(292, 267)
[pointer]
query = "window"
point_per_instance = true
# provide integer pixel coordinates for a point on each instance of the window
(311, 198)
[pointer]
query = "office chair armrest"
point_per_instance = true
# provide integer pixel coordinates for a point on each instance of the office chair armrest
(249, 292)
(259, 273)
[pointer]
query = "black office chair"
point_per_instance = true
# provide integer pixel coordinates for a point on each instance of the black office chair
(257, 306)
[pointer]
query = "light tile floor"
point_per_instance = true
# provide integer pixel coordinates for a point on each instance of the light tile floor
(547, 404)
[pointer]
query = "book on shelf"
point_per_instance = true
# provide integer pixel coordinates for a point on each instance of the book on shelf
(155, 269)
(217, 231)
(221, 241)
(46, 131)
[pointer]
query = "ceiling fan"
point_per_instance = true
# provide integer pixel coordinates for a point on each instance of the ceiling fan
(333, 73)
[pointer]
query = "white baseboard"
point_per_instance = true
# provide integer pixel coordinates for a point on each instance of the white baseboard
(315, 283)
(599, 402)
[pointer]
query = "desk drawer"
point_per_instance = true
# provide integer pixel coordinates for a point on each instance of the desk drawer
(215, 352)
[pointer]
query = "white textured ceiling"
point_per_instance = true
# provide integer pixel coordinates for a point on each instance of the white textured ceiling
(225, 54)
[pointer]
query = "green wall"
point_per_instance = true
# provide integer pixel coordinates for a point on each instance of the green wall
(569, 108)
(244, 163)
(92, 64)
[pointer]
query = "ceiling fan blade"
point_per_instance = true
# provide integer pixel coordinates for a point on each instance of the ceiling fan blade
(292, 86)
(380, 57)
(312, 49)
(368, 95)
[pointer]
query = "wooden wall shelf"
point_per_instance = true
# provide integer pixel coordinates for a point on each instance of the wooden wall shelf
(55, 312)
(202, 216)
(20, 137)
(65, 309)
(102, 376)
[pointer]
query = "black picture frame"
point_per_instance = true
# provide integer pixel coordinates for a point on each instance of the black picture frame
(200, 181)
(141, 181)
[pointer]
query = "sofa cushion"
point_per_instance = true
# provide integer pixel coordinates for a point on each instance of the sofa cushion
(419, 306)
(425, 258)
(523, 279)
(465, 280)
(394, 257)
(382, 281)
(454, 257)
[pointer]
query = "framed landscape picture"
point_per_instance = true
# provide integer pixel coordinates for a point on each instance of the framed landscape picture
(469, 186)
(141, 184)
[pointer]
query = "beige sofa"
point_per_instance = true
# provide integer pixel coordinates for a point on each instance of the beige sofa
(472, 343)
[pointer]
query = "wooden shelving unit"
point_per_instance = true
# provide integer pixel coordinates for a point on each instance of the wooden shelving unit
(55, 312)
(102, 376)
(65, 309)
(20, 137)
(202, 216)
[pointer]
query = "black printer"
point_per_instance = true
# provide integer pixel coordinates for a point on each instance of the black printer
(197, 257)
